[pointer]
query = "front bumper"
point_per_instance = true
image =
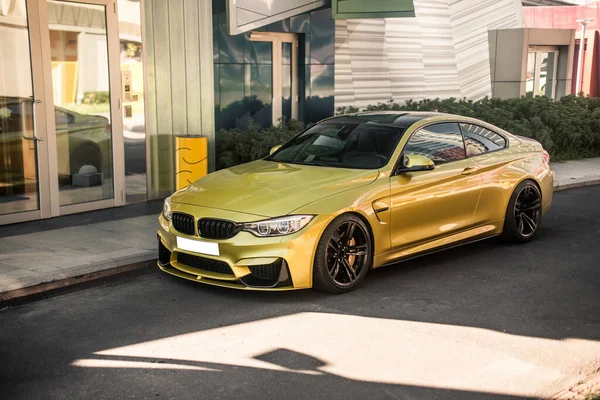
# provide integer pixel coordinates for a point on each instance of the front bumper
(244, 261)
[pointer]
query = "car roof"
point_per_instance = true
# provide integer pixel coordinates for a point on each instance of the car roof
(402, 119)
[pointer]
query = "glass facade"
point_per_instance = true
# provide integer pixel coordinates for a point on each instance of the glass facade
(132, 79)
(541, 71)
(18, 148)
(71, 138)
(82, 106)
(243, 70)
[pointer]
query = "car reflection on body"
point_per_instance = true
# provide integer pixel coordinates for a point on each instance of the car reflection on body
(352, 193)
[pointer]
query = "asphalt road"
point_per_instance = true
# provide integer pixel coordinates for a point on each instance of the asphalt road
(487, 320)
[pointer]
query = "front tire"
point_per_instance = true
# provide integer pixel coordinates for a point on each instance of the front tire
(524, 213)
(344, 255)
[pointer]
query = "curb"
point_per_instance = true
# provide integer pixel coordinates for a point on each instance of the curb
(576, 184)
(46, 289)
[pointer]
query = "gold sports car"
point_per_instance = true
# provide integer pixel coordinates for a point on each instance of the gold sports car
(352, 193)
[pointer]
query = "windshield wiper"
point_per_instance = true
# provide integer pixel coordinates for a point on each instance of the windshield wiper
(315, 163)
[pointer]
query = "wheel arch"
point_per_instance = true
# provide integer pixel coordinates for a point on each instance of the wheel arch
(367, 223)
(360, 216)
(524, 179)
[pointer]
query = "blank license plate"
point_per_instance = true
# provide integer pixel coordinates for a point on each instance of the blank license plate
(198, 246)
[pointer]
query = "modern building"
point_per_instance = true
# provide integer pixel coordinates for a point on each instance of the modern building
(93, 92)
(570, 18)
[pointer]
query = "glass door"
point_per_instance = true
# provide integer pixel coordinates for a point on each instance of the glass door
(84, 53)
(542, 62)
(285, 73)
(23, 191)
(60, 109)
(81, 100)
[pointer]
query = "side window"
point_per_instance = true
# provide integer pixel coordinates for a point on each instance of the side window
(479, 140)
(442, 143)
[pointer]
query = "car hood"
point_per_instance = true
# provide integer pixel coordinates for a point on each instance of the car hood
(270, 189)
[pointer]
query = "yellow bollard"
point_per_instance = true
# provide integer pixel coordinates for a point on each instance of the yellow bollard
(191, 159)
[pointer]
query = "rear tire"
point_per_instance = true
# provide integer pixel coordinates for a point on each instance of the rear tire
(524, 213)
(344, 255)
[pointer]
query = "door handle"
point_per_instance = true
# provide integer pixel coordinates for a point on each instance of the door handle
(33, 103)
(469, 171)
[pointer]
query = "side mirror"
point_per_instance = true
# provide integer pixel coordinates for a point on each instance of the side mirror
(414, 163)
(274, 149)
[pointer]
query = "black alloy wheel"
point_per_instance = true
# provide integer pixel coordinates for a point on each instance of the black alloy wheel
(528, 210)
(344, 255)
(524, 213)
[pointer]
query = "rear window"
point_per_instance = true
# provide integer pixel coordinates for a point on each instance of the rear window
(480, 140)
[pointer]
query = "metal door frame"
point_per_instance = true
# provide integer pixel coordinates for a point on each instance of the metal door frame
(277, 38)
(537, 66)
(117, 142)
(39, 121)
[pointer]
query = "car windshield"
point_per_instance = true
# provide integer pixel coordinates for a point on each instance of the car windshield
(342, 143)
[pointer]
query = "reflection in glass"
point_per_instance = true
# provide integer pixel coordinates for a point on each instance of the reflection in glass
(258, 52)
(479, 140)
(541, 71)
(543, 74)
(320, 104)
(286, 53)
(134, 125)
(231, 47)
(530, 72)
(81, 96)
(547, 75)
(279, 26)
(321, 80)
(300, 23)
(217, 94)
(322, 29)
(441, 143)
(259, 94)
(286, 84)
(18, 150)
(231, 94)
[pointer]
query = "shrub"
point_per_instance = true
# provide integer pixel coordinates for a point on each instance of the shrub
(568, 128)
(235, 147)
(97, 97)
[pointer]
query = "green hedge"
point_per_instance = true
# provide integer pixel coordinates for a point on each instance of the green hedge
(235, 147)
(97, 97)
(568, 128)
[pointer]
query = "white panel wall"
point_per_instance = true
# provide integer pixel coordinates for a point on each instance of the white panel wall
(442, 52)
(180, 83)
(471, 20)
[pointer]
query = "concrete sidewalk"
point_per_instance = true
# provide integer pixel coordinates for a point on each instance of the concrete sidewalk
(576, 173)
(43, 255)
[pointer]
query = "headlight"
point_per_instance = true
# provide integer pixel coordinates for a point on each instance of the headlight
(278, 226)
(167, 209)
